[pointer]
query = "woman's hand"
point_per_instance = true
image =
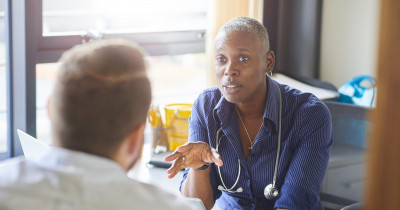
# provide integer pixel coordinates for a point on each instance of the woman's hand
(192, 155)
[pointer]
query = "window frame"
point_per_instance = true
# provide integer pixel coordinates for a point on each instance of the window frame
(26, 46)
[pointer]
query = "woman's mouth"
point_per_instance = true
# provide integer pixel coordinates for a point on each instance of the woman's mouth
(231, 88)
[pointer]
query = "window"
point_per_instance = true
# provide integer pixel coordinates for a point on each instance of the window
(160, 27)
(172, 32)
(177, 79)
(45, 81)
(174, 79)
(3, 108)
(3, 83)
(118, 16)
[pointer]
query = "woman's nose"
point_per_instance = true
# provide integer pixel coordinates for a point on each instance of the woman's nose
(231, 69)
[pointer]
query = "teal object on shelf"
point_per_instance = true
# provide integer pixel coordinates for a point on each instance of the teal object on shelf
(359, 91)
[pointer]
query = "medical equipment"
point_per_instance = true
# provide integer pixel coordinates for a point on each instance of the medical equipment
(270, 191)
(223, 186)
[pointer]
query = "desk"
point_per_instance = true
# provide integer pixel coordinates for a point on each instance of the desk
(344, 180)
(344, 177)
(153, 175)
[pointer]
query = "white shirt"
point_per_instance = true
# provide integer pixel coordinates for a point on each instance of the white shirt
(64, 179)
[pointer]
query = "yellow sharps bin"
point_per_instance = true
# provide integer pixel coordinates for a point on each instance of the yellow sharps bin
(177, 123)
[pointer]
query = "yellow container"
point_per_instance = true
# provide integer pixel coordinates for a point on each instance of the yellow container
(177, 123)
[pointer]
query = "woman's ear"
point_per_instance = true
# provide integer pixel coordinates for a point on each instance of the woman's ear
(270, 58)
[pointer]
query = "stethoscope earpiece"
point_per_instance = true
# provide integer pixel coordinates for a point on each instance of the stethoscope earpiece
(271, 193)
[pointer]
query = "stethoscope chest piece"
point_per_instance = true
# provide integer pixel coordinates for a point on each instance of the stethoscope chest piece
(271, 192)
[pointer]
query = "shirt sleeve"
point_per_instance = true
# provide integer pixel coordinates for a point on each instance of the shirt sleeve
(303, 180)
(197, 122)
(198, 131)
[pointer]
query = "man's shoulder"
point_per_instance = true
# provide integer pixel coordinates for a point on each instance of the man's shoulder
(11, 162)
(38, 186)
(20, 178)
(148, 196)
(12, 167)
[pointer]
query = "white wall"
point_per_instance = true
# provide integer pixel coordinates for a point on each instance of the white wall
(349, 38)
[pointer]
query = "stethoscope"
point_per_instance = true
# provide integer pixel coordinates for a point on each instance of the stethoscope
(270, 191)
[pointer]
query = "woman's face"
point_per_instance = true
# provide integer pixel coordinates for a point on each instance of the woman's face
(241, 63)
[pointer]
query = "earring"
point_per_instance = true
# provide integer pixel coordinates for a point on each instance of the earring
(269, 73)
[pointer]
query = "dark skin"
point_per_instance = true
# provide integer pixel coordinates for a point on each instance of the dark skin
(241, 63)
(248, 134)
(240, 68)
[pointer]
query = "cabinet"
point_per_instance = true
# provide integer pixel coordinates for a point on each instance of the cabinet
(344, 179)
(345, 176)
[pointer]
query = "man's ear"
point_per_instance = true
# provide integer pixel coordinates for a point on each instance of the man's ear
(135, 139)
(270, 58)
(130, 149)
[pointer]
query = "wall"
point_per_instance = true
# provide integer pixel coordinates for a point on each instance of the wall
(298, 43)
(221, 11)
(349, 38)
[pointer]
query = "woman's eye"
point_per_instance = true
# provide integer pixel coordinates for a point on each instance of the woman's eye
(220, 59)
(243, 59)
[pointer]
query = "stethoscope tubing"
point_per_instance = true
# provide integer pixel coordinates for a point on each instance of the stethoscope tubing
(278, 153)
(219, 168)
(218, 137)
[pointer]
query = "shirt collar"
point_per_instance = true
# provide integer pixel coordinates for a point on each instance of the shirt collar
(222, 110)
(74, 160)
(271, 112)
(272, 104)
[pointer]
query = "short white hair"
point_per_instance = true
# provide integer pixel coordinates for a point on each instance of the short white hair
(247, 24)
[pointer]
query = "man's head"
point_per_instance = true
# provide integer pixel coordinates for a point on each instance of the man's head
(242, 58)
(102, 95)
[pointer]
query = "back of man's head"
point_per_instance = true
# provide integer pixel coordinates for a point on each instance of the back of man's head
(102, 94)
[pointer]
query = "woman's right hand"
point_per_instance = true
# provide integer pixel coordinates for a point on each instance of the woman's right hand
(192, 155)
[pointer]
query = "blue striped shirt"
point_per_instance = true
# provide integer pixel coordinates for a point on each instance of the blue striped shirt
(306, 144)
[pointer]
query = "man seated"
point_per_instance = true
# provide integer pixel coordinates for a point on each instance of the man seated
(98, 112)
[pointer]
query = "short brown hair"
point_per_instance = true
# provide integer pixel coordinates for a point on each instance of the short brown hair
(102, 93)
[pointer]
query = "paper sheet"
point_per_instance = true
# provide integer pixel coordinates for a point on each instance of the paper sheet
(318, 92)
(32, 147)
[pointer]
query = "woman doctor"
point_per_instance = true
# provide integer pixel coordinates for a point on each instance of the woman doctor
(253, 143)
